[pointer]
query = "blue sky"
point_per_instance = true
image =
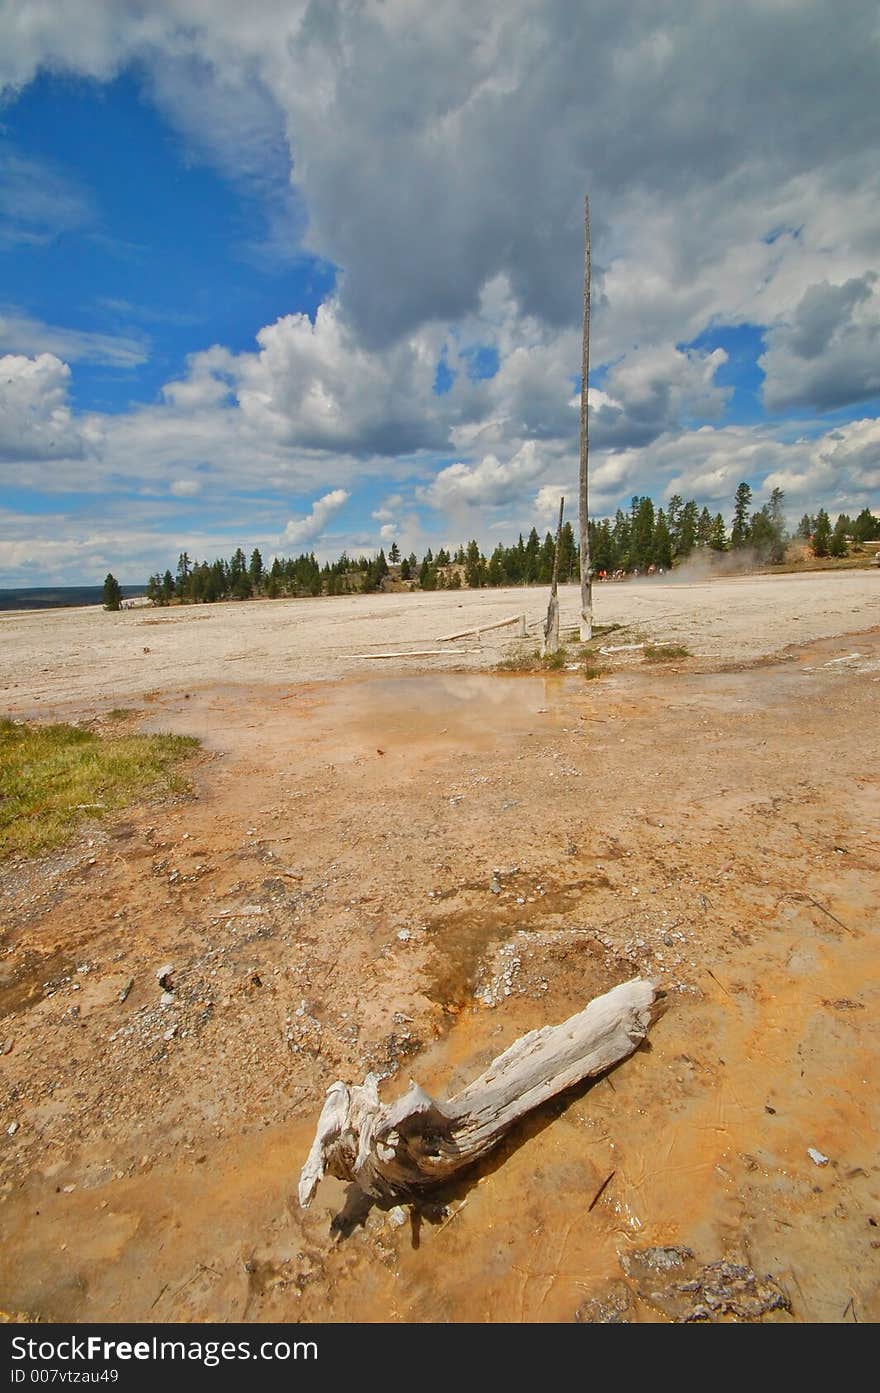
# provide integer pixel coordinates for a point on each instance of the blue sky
(304, 278)
(163, 249)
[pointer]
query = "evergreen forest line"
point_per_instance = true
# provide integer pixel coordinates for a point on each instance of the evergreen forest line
(645, 538)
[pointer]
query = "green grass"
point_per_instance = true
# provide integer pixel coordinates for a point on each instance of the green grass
(665, 652)
(554, 662)
(532, 661)
(52, 777)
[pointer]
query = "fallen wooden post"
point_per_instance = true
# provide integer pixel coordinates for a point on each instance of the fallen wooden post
(395, 1150)
(421, 653)
(519, 619)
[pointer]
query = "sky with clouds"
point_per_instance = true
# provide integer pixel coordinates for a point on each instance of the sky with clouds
(308, 275)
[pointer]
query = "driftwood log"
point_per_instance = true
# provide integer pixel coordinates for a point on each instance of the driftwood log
(394, 1151)
(518, 619)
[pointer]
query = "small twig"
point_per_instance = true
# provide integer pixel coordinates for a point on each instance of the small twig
(797, 1284)
(715, 979)
(600, 1192)
(454, 1215)
(833, 917)
(802, 895)
(850, 1306)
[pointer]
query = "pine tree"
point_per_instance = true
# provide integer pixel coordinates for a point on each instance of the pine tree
(821, 539)
(704, 528)
(112, 593)
(739, 533)
(472, 567)
(567, 553)
(805, 527)
(673, 520)
(622, 535)
(661, 544)
(687, 531)
(514, 562)
(545, 559)
(394, 553)
(496, 574)
(642, 535)
(601, 546)
(718, 539)
(762, 533)
(533, 547)
(837, 545)
(255, 570)
(405, 569)
(866, 527)
(777, 516)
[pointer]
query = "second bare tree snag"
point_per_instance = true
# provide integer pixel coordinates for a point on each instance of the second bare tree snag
(586, 562)
(550, 640)
(395, 1151)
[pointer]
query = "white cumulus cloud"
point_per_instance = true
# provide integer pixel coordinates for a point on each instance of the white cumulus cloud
(300, 531)
(36, 422)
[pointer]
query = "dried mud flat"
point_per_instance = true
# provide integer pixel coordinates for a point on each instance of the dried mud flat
(405, 872)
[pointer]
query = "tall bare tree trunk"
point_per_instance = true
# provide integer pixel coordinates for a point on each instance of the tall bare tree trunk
(551, 627)
(586, 563)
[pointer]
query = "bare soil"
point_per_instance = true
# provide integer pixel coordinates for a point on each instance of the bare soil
(406, 870)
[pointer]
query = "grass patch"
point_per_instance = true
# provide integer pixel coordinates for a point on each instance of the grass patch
(53, 777)
(665, 652)
(574, 654)
(122, 713)
(532, 661)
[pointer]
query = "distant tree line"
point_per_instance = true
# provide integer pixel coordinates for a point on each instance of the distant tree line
(642, 538)
(826, 540)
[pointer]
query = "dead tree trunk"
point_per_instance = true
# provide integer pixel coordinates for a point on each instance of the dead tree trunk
(396, 1150)
(586, 563)
(550, 642)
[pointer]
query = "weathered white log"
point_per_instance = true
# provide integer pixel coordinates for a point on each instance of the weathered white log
(518, 619)
(395, 1150)
(420, 653)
